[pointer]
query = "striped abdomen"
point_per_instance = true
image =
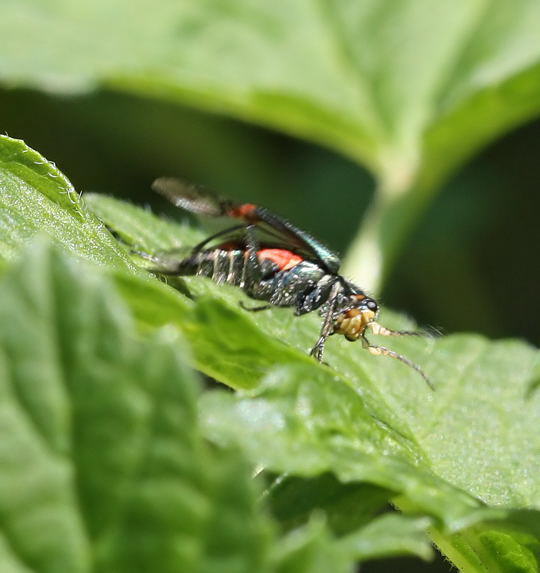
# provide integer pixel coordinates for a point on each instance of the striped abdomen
(222, 266)
(278, 276)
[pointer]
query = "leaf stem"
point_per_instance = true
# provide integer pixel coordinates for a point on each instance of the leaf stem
(383, 232)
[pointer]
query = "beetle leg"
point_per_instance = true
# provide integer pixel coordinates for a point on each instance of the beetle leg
(252, 273)
(198, 247)
(327, 327)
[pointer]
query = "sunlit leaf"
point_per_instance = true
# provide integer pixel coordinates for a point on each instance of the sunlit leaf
(35, 197)
(103, 466)
(372, 419)
(465, 456)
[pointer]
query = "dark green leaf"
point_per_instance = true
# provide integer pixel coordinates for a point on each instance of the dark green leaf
(313, 549)
(293, 499)
(103, 466)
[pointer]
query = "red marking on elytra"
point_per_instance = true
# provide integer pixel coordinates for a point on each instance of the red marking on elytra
(284, 259)
(244, 211)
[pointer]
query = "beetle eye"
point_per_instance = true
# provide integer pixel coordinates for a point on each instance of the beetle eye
(372, 305)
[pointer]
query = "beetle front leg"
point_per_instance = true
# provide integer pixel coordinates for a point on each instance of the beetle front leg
(327, 329)
(328, 324)
(318, 350)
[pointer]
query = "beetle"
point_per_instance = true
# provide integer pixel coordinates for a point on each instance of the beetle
(274, 261)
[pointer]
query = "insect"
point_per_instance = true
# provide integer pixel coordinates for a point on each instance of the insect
(272, 260)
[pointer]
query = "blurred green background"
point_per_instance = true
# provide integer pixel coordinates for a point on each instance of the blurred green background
(471, 263)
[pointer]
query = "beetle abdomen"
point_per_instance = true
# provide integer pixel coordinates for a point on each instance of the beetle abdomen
(223, 267)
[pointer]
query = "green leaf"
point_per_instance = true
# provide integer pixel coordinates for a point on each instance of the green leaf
(313, 549)
(410, 89)
(369, 419)
(140, 228)
(35, 197)
(293, 499)
(512, 545)
(103, 464)
(465, 455)
(462, 367)
(389, 535)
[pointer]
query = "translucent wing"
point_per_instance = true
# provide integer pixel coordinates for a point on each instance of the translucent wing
(280, 231)
(190, 197)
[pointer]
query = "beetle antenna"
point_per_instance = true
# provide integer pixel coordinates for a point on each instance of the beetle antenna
(383, 351)
(380, 330)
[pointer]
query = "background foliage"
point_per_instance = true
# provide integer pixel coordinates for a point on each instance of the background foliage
(118, 93)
